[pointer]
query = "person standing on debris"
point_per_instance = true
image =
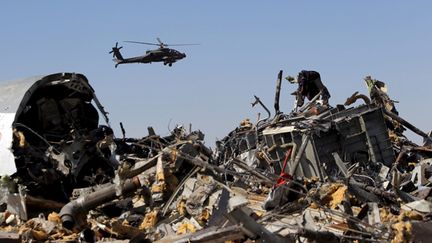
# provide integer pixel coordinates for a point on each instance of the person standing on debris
(310, 86)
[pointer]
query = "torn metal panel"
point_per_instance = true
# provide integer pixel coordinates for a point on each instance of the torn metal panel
(220, 210)
(421, 231)
(373, 214)
(252, 228)
(194, 203)
(421, 206)
(357, 135)
(16, 204)
(210, 235)
(8, 237)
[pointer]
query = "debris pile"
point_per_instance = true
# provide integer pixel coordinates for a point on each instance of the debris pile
(318, 174)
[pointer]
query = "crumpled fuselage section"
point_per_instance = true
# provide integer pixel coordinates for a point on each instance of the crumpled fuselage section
(58, 144)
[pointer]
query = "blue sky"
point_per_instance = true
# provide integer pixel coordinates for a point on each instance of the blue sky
(243, 46)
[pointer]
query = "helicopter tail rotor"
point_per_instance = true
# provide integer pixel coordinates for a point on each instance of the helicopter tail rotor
(115, 50)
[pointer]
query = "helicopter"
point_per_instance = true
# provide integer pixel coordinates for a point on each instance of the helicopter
(163, 54)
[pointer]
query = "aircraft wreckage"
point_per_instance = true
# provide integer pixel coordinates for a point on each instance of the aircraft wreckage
(318, 174)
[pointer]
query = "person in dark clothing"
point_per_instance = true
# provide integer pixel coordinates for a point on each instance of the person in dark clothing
(309, 86)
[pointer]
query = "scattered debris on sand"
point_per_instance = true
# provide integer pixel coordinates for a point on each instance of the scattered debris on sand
(318, 174)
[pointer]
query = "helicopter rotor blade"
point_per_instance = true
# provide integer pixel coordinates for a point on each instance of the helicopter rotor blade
(144, 43)
(182, 44)
(161, 44)
(118, 48)
(113, 49)
(164, 44)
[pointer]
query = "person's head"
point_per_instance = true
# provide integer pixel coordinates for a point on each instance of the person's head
(301, 76)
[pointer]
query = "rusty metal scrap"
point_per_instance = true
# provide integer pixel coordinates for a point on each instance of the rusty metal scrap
(316, 174)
